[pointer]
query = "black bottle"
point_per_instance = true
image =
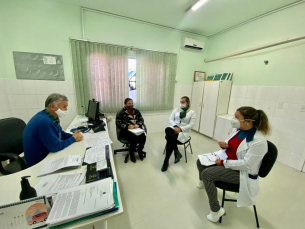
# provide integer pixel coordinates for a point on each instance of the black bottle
(27, 191)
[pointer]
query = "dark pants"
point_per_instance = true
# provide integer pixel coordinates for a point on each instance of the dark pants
(171, 143)
(134, 140)
(210, 174)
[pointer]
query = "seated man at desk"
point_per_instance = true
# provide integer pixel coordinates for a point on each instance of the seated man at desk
(43, 133)
(131, 118)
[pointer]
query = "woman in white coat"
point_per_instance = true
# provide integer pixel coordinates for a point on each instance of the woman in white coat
(246, 148)
(181, 122)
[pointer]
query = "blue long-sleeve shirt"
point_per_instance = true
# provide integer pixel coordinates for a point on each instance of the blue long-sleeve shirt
(42, 135)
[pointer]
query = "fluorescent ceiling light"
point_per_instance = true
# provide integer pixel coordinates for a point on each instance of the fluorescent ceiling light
(198, 4)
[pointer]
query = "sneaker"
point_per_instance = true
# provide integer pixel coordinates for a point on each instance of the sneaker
(215, 216)
(200, 184)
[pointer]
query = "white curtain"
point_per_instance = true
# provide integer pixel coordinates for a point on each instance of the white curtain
(100, 72)
(155, 81)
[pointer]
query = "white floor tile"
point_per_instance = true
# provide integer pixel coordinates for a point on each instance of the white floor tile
(153, 199)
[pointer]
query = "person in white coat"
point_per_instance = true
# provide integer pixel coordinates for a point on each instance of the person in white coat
(245, 148)
(181, 122)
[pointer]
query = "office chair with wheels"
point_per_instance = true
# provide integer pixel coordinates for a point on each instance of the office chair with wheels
(266, 166)
(11, 145)
(185, 145)
(126, 144)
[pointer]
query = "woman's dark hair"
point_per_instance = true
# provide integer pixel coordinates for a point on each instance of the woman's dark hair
(261, 119)
(187, 99)
(126, 100)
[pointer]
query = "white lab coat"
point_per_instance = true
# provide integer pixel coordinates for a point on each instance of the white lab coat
(186, 124)
(250, 156)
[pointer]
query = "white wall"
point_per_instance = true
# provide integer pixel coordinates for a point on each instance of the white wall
(288, 123)
(24, 98)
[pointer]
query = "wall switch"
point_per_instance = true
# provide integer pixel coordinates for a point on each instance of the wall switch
(303, 108)
(280, 105)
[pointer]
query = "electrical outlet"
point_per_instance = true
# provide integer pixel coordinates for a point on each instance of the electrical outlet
(280, 105)
(303, 108)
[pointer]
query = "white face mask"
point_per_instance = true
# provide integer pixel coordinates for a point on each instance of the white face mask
(235, 123)
(60, 113)
(182, 105)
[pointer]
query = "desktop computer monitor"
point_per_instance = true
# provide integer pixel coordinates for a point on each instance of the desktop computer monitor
(93, 110)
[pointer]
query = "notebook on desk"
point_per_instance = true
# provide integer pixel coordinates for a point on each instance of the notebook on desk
(30, 213)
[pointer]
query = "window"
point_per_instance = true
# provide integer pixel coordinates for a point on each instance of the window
(132, 69)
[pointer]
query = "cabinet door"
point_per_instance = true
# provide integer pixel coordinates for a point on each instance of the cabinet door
(209, 105)
(223, 129)
(196, 101)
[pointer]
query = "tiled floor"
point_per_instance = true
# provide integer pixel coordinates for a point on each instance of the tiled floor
(156, 200)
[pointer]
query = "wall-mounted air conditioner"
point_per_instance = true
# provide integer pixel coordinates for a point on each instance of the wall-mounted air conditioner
(193, 44)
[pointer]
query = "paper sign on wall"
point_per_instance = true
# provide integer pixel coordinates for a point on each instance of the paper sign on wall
(49, 59)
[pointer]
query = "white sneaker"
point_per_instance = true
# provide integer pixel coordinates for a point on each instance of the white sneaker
(215, 216)
(200, 184)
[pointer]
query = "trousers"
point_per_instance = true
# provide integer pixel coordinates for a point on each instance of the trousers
(171, 142)
(210, 174)
(134, 140)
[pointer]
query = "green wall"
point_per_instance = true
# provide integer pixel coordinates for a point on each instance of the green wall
(286, 62)
(39, 27)
(45, 27)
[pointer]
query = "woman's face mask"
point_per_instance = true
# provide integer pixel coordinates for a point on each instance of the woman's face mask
(235, 123)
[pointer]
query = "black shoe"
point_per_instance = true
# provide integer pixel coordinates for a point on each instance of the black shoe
(132, 158)
(178, 155)
(126, 158)
(141, 155)
(164, 167)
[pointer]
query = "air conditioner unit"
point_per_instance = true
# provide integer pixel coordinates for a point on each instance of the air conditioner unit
(193, 44)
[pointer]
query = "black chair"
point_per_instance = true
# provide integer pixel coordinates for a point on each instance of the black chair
(11, 146)
(186, 145)
(126, 144)
(266, 166)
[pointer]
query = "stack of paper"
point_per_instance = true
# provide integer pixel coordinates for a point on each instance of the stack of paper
(137, 131)
(210, 158)
(51, 184)
(70, 161)
(103, 136)
(81, 201)
(95, 154)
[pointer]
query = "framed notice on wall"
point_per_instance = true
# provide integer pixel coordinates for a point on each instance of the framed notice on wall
(199, 76)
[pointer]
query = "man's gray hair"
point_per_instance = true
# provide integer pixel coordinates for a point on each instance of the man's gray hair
(55, 99)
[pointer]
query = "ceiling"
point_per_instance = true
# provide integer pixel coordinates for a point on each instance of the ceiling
(213, 17)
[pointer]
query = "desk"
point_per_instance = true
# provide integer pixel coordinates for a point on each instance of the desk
(10, 186)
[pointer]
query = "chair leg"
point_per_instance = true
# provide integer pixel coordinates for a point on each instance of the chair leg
(222, 202)
(191, 147)
(256, 218)
(185, 153)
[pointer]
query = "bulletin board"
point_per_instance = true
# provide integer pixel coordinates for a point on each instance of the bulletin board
(38, 66)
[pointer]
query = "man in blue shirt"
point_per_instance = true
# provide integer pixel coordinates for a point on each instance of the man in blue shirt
(43, 133)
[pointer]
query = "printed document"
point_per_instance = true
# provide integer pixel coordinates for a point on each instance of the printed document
(101, 165)
(137, 131)
(95, 154)
(81, 201)
(210, 158)
(53, 183)
(70, 161)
